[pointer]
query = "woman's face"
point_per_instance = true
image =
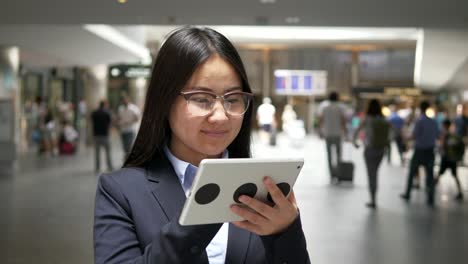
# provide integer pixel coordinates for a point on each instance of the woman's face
(197, 137)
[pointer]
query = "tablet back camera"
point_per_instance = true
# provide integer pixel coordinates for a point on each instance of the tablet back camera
(207, 193)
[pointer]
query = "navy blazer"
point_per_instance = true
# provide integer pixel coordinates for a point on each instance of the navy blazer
(136, 221)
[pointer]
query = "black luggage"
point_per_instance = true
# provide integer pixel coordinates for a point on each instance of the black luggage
(345, 171)
(272, 137)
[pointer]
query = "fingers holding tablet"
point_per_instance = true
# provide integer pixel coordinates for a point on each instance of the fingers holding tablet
(264, 219)
(282, 188)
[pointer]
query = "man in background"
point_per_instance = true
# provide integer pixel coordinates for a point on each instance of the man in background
(266, 120)
(461, 123)
(332, 127)
(425, 135)
(397, 134)
(101, 121)
(128, 117)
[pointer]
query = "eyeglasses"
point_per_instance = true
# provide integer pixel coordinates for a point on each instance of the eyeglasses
(202, 103)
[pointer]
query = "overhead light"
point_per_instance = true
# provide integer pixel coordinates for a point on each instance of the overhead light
(293, 20)
(122, 1)
(267, 1)
(115, 72)
(430, 112)
(317, 33)
(117, 38)
(386, 111)
(357, 47)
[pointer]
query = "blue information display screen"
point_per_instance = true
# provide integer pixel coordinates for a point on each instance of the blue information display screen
(300, 82)
(280, 82)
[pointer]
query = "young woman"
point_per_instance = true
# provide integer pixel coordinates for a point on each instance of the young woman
(377, 130)
(198, 106)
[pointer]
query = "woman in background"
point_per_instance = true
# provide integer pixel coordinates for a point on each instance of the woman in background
(377, 138)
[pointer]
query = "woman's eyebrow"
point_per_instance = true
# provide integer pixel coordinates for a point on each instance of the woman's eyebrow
(233, 89)
(203, 88)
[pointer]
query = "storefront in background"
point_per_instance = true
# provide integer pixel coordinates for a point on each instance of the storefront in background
(401, 97)
(129, 80)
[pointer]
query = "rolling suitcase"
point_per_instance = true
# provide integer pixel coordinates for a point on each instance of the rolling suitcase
(345, 171)
(273, 135)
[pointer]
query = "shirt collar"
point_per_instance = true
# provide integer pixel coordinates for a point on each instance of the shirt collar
(180, 166)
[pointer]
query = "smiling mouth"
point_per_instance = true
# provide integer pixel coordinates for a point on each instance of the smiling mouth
(215, 133)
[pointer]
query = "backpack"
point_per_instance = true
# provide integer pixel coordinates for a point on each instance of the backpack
(455, 147)
(380, 133)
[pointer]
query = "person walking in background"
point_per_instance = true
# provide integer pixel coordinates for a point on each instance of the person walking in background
(38, 112)
(288, 116)
(101, 121)
(332, 126)
(266, 120)
(441, 116)
(451, 152)
(293, 127)
(425, 135)
(128, 117)
(397, 134)
(461, 122)
(50, 134)
(68, 140)
(377, 139)
(82, 119)
(411, 114)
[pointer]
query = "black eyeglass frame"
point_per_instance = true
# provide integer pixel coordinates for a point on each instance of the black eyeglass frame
(250, 96)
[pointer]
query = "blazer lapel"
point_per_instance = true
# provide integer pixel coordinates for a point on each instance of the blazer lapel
(166, 188)
(238, 243)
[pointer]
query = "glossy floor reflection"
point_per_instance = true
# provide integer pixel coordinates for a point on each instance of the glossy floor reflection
(47, 211)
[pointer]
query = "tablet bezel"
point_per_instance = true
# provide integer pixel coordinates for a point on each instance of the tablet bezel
(229, 174)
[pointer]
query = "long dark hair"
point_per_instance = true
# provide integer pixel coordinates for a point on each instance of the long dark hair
(183, 51)
(374, 108)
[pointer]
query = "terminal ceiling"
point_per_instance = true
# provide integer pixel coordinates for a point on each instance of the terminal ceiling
(50, 32)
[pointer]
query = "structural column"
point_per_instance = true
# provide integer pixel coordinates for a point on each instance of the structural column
(266, 73)
(137, 89)
(9, 107)
(354, 69)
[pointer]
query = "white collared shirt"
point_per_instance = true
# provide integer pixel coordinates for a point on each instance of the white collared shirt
(217, 248)
(129, 117)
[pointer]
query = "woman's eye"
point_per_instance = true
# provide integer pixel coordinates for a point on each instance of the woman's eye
(234, 99)
(200, 100)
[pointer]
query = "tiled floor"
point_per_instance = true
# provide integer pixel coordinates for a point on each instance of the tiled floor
(47, 211)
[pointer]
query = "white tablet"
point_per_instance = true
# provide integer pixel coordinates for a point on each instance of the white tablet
(219, 183)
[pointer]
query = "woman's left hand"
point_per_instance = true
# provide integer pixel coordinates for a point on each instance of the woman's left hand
(264, 219)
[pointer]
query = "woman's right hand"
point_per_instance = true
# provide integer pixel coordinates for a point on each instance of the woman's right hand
(263, 219)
